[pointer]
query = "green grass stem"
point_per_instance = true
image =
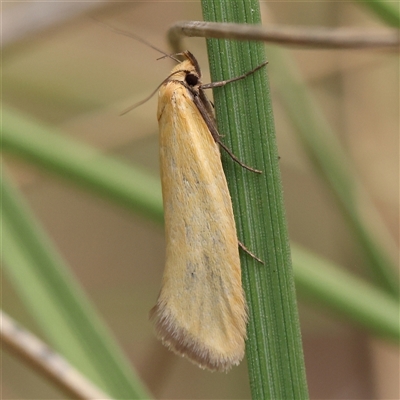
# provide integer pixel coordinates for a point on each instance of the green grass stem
(244, 115)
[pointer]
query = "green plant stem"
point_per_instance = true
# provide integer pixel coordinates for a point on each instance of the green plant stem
(330, 161)
(244, 114)
(324, 284)
(63, 312)
(82, 164)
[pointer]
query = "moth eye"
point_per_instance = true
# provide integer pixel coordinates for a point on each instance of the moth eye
(191, 79)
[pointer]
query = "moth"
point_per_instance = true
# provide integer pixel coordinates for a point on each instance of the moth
(201, 310)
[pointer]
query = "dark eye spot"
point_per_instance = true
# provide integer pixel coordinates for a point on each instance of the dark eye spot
(191, 79)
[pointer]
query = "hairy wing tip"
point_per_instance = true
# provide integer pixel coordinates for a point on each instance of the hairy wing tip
(181, 342)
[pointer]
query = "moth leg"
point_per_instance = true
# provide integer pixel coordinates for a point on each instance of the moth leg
(202, 104)
(234, 158)
(243, 247)
(237, 78)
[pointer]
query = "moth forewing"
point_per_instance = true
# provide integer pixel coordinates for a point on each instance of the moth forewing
(201, 309)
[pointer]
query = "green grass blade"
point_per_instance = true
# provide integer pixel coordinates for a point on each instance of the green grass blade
(81, 164)
(244, 114)
(61, 309)
(329, 160)
(325, 284)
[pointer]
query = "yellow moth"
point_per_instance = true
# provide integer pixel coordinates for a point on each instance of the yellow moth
(201, 309)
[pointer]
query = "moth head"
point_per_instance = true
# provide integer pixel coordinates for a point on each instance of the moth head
(187, 71)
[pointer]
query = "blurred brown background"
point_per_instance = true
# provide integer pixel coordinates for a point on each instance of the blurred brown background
(77, 75)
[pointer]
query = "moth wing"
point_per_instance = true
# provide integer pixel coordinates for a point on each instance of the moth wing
(201, 310)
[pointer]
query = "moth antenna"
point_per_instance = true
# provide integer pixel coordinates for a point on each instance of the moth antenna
(136, 37)
(130, 108)
(171, 56)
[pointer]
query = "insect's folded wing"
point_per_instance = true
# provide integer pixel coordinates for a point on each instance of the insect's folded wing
(201, 310)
